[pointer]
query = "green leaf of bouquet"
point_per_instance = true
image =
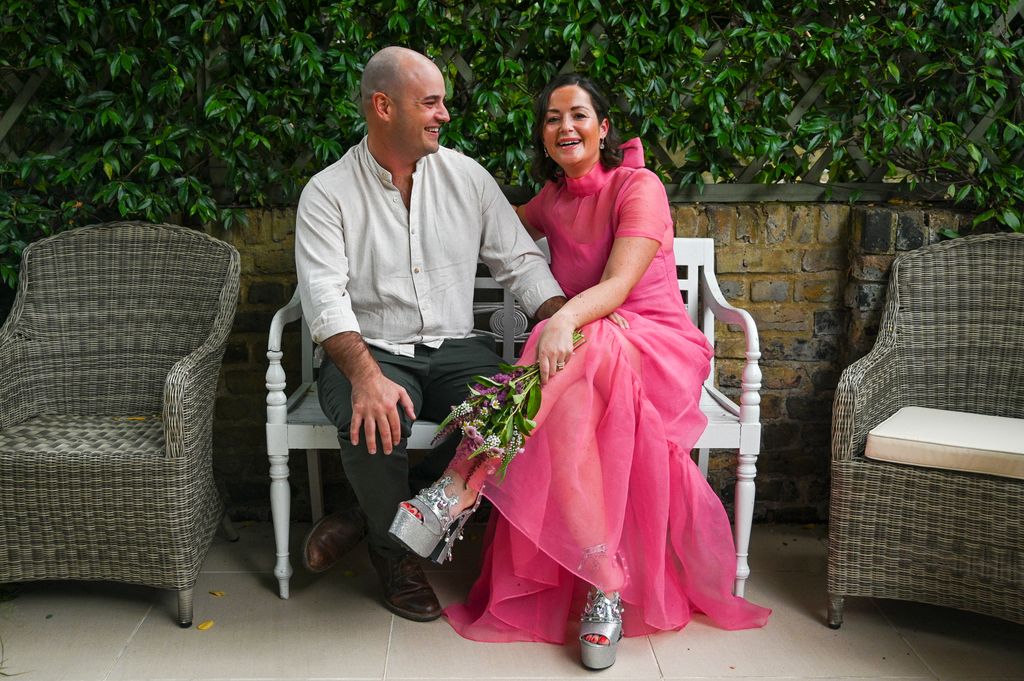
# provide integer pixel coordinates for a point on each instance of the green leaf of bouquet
(533, 404)
(485, 380)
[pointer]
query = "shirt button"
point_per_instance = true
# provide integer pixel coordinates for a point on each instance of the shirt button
(416, 270)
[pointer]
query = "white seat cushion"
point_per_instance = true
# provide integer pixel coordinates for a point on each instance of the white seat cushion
(953, 440)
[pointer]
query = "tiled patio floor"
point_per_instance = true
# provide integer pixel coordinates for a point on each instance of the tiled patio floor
(333, 628)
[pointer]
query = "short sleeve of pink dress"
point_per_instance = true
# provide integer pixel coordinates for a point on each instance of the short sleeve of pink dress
(606, 492)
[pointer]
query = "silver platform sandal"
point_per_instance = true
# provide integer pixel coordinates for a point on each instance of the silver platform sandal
(602, 616)
(434, 531)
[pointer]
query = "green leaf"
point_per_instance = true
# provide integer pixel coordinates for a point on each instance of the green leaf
(533, 401)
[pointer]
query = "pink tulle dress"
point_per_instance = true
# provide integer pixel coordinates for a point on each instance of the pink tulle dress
(605, 492)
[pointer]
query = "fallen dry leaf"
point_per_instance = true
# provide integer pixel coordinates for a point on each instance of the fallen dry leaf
(203, 626)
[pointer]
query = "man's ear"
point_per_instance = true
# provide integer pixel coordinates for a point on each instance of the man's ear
(381, 105)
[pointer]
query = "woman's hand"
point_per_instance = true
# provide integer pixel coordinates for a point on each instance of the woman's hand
(554, 350)
(619, 320)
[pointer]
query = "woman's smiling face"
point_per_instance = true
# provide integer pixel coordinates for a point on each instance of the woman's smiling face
(572, 131)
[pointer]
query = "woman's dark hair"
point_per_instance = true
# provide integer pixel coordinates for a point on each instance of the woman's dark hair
(543, 167)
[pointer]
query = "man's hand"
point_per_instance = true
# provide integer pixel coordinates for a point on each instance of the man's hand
(375, 403)
(375, 398)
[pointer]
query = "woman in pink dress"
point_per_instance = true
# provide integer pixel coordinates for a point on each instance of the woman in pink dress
(605, 502)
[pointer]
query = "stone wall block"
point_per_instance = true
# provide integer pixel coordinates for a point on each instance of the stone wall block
(819, 290)
(722, 223)
(829, 322)
(776, 227)
(825, 378)
(877, 229)
(690, 221)
(821, 349)
(865, 296)
(749, 222)
(803, 221)
(812, 408)
(823, 259)
(781, 318)
(911, 230)
(236, 352)
(870, 268)
(777, 436)
(835, 224)
(772, 291)
(276, 261)
(266, 292)
(778, 376)
(282, 226)
(734, 290)
(751, 258)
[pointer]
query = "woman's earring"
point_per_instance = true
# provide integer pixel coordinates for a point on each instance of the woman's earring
(545, 152)
(602, 143)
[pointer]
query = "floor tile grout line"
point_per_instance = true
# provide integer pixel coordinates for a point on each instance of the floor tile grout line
(387, 650)
(128, 642)
(906, 642)
(650, 644)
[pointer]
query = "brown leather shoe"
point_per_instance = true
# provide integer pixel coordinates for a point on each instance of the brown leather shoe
(406, 590)
(332, 537)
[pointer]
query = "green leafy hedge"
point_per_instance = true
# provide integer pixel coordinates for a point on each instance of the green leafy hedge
(162, 109)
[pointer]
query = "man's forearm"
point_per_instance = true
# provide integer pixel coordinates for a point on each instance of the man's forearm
(351, 355)
(550, 307)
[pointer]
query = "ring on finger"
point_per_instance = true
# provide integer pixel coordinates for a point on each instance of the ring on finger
(559, 365)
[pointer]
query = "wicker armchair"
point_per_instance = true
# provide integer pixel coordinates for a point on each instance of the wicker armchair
(108, 373)
(951, 337)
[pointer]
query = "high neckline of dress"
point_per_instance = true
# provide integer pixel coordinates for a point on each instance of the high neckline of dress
(598, 176)
(590, 183)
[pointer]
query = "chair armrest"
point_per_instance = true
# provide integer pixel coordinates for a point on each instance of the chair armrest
(715, 304)
(190, 391)
(277, 400)
(17, 384)
(190, 387)
(867, 394)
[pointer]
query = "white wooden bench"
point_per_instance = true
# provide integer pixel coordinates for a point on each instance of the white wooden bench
(295, 420)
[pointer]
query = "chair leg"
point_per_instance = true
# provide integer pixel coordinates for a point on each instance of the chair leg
(316, 486)
(280, 510)
(702, 461)
(185, 608)
(835, 611)
(228, 528)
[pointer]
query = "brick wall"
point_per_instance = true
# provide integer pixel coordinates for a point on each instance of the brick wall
(812, 275)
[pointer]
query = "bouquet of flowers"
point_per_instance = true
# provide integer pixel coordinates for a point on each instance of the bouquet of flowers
(497, 417)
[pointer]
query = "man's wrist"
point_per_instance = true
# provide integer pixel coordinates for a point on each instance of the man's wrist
(550, 307)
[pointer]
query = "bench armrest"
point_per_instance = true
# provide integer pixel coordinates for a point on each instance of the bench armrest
(292, 311)
(715, 304)
(277, 400)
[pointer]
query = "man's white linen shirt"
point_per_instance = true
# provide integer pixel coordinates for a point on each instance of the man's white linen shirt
(400, 277)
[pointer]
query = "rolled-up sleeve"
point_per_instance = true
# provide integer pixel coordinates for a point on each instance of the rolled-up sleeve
(321, 264)
(512, 256)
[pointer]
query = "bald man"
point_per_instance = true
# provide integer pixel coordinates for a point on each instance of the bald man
(387, 240)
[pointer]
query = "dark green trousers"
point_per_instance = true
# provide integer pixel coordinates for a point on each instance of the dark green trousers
(436, 380)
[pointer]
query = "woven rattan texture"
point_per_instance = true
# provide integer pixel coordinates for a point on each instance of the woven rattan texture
(952, 337)
(108, 372)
